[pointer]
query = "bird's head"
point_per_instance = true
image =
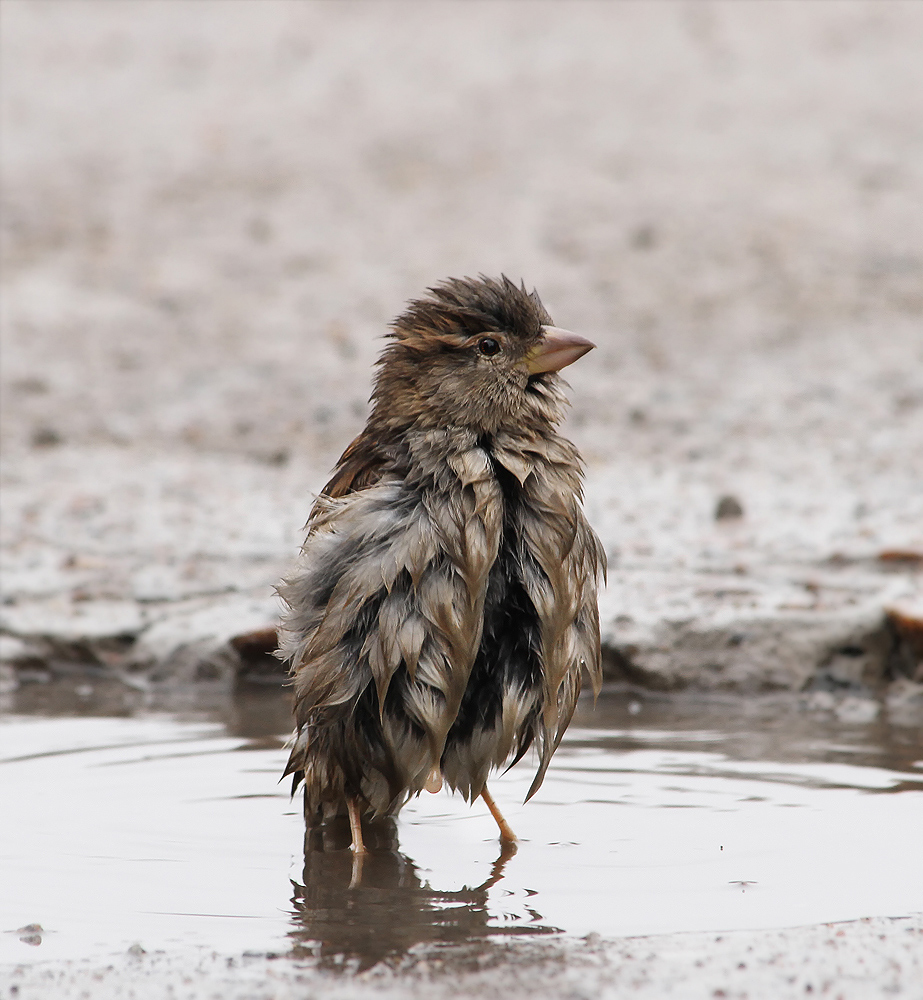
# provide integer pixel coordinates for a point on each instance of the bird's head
(481, 353)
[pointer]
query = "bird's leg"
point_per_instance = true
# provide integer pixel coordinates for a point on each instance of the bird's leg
(506, 834)
(355, 826)
(355, 879)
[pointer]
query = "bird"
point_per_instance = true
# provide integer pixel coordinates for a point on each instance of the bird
(443, 610)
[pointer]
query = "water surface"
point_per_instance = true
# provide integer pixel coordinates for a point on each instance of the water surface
(170, 830)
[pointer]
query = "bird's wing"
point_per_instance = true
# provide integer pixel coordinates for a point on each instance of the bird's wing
(391, 580)
(350, 625)
(358, 545)
(359, 467)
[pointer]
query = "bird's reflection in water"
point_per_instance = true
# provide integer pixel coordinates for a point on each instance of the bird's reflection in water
(376, 907)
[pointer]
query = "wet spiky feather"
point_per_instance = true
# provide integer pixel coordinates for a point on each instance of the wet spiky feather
(444, 608)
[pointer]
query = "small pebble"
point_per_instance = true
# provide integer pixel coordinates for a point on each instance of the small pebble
(45, 437)
(728, 507)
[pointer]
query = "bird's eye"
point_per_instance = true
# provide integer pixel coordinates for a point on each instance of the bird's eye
(488, 347)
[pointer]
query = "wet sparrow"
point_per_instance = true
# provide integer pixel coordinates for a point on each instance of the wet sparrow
(445, 605)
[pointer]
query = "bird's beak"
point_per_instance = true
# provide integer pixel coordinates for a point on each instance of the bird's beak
(556, 350)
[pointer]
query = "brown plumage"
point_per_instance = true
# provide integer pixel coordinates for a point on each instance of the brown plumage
(445, 605)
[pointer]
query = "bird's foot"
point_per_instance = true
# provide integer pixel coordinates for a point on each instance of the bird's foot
(506, 834)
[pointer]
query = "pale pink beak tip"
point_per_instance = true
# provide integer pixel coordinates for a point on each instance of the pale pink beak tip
(557, 349)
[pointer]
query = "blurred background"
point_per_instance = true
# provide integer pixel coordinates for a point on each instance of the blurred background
(212, 210)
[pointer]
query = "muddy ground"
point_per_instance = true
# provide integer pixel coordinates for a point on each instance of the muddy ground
(860, 960)
(212, 210)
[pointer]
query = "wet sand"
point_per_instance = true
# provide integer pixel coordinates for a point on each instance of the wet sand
(212, 211)
(865, 959)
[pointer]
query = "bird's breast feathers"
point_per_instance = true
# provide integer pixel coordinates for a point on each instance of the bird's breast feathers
(398, 585)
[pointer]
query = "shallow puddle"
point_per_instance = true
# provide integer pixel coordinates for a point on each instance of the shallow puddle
(170, 830)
